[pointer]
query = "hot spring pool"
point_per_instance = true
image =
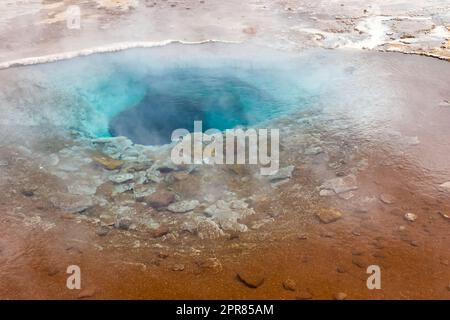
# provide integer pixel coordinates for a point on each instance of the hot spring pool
(145, 94)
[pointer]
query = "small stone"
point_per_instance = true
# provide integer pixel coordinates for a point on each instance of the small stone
(160, 199)
(183, 206)
(341, 184)
(159, 232)
(329, 215)
(282, 174)
(71, 203)
(108, 162)
(302, 236)
(359, 262)
(121, 178)
(387, 198)
(178, 267)
(410, 217)
(289, 285)
(123, 223)
(251, 278)
(444, 103)
(340, 296)
(445, 186)
(414, 243)
(312, 151)
(326, 193)
(102, 231)
(304, 295)
(341, 269)
(28, 193)
(212, 264)
(86, 293)
(444, 215)
(347, 195)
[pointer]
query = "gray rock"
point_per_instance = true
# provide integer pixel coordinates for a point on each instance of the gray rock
(71, 203)
(183, 206)
(123, 223)
(227, 214)
(121, 178)
(204, 228)
(341, 184)
(326, 193)
(282, 174)
(121, 188)
(312, 151)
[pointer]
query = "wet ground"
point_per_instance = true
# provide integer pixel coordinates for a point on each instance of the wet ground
(364, 182)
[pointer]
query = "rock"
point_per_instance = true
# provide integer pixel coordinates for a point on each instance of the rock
(444, 215)
(329, 215)
(178, 267)
(71, 203)
(160, 199)
(159, 232)
(28, 192)
(183, 206)
(142, 191)
(121, 188)
(359, 262)
(164, 167)
(312, 151)
(341, 269)
(87, 188)
(304, 295)
(123, 223)
(153, 175)
(347, 195)
(289, 285)
(340, 296)
(107, 162)
(227, 214)
(282, 174)
(326, 193)
(341, 184)
(445, 186)
(414, 243)
(444, 103)
(86, 293)
(250, 278)
(204, 228)
(121, 178)
(102, 231)
(212, 264)
(411, 217)
(114, 146)
(387, 198)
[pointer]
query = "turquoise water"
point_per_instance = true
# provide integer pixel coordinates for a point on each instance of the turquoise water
(145, 94)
